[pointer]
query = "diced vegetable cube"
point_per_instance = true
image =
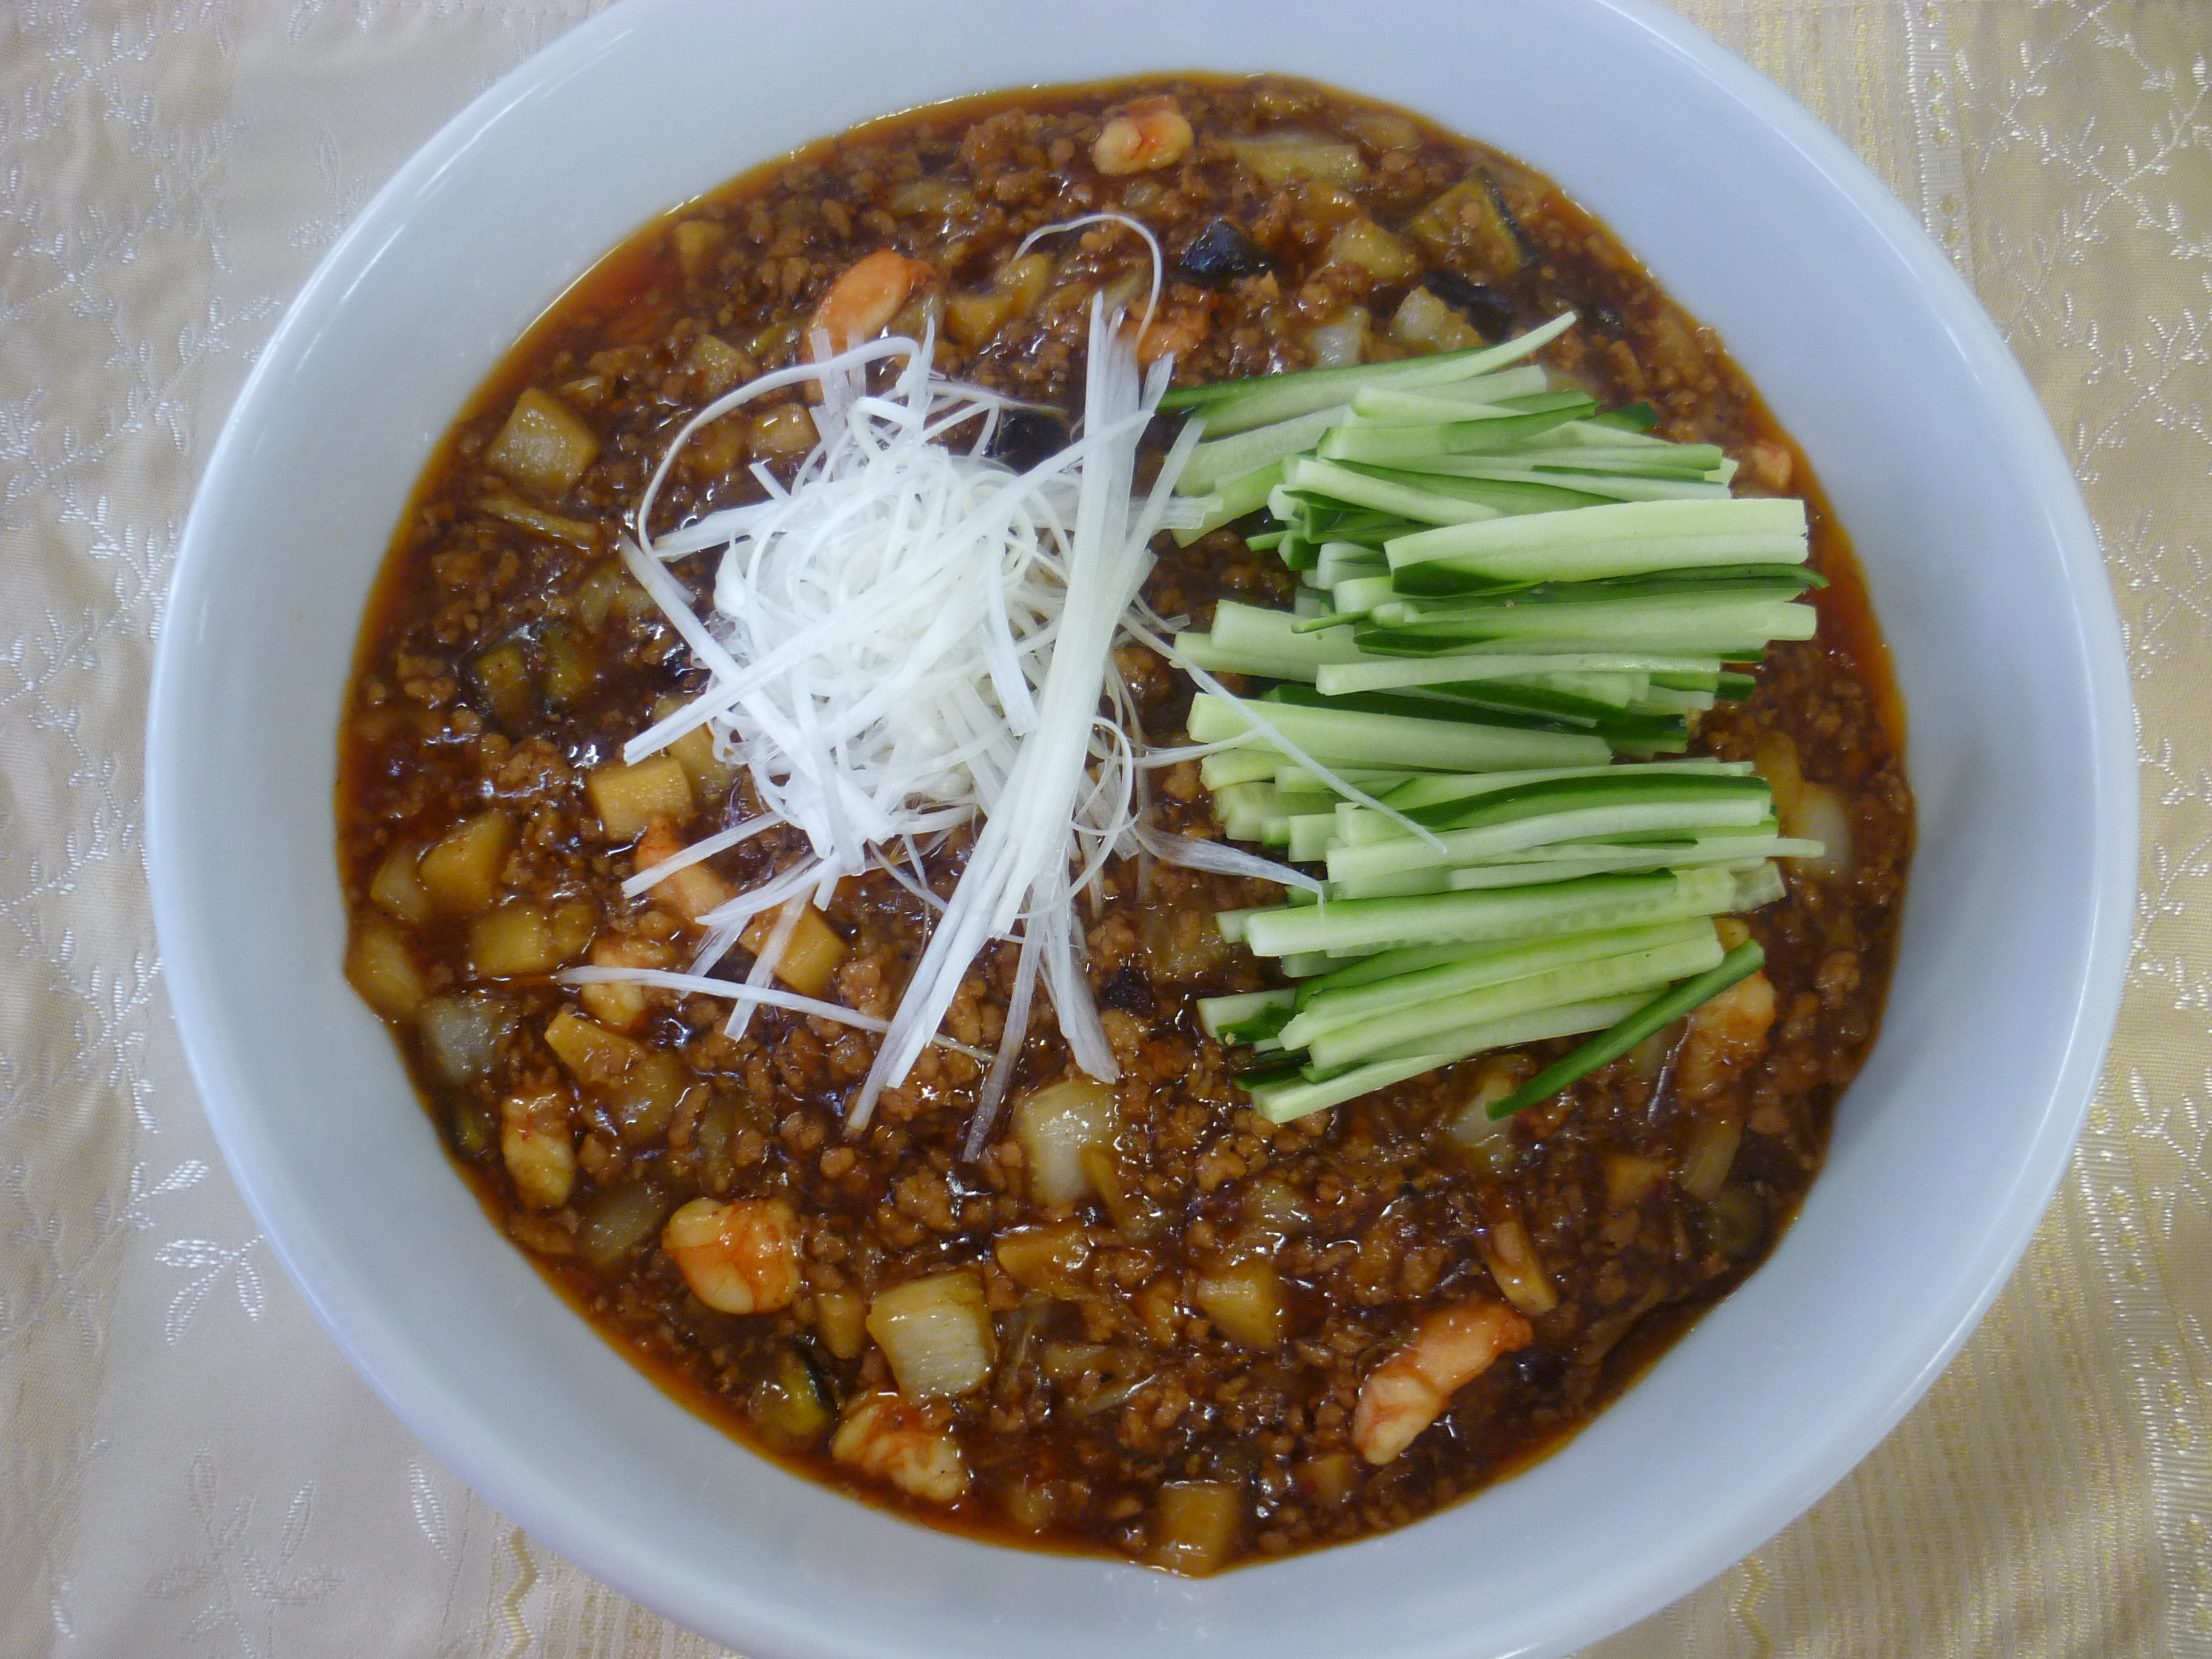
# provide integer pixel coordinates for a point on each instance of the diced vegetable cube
(1046, 1259)
(618, 1219)
(1195, 1525)
(693, 890)
(1424, 323)
(1385, 256)
(461, 873)
(1280, 157)
(812, 957)
(395, 887)
(697, 241)
(623, 1008)
(545, 445)
(460, 1035)
(715, 365)
(1246, 1300)
(1468, 227)
(501, 674)
(629, 798)
(972, 319)
(784, 432)
(840, 1320)
(936, 1332)
(382, 967)
(568, 669)
(514, 938)
(1054, 1126)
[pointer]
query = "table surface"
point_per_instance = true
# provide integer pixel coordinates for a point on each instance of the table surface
(187, 1466)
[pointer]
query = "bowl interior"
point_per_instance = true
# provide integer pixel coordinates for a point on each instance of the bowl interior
(1983, 570)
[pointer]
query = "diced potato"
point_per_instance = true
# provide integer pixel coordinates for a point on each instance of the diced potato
(462, 872)
(1711, 1154)
(1054, 1126)
(382, 967)
(811, 958)
(711, 776)
(783, 433)
(1468, 227)
(1329, 1478)
(1046, 1259)
(395, 887)
(578, 532)
(1629, 1179)
(692, 891)
(1387, 258)
(972, 319)
(623, 1008)
(1424, 323)
(610, 591)
(1195, 1524)
(629, 798)
(697, 241)
(545, 445)
(1385, 129)
(539, 1148)
(936, 1332)
(574, 921)
(842, 1322)
(1279, 157)
(1127, 1205)
(1487, 1139)
(717, 447)
(600, 1060)
(1246, 1300)
(715, 365)
(516, 938)
(1026, 278)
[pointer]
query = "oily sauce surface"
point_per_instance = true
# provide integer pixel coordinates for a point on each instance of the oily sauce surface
(506, 655)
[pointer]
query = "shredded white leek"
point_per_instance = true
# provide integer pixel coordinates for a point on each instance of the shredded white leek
(911, 637)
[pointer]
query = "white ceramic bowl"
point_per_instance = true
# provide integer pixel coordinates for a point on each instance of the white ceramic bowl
(1984, 569)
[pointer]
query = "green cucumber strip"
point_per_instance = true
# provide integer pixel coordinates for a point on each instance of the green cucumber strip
(1486, 842)
(1387, 405)
(1632, 417)
(1430, 791)
(1304, 964)
(1655, 1016)
(1212, 464)
(1390, 964)
(1326, 1011)
(1309, 835)
(1249, 764)
(1686, 616)
(1754, 888)
(1281, 1097)
(1249, 630)
(1429, 640)
(1667, 700)
(1571, 1021)
(1620, 539)
(1383, 495)
(1440, 578)
(1487, 434)
(1351, 675)
(1597, 487)
(1341, 561)
(1243, 809)
(1264, 541)
(1584, 906)
(1588, 981)
(1246, 493)
(1330, 735)
(1290, 662)
(1239, 405)
(1292, 779)
(1726, 853)
(1221, 1018)
(1499, 699)
(1622, 786)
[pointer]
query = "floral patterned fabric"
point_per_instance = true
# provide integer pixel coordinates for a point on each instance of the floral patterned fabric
(186, 1464)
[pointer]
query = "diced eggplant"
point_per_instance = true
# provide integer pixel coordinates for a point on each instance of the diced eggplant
(1220, 253)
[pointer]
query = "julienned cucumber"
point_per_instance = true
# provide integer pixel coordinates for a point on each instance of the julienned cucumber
(1499, 588)
(1655, 1016)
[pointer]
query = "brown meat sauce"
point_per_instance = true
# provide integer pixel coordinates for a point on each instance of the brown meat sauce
(506, 656)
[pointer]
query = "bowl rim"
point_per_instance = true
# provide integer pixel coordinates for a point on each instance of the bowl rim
(207, 1031)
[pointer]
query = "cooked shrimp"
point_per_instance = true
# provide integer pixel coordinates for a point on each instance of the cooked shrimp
(861, 303)
(738, 1258)
(1141, 137)
(692, 891)
(1726, 1035)
(886, 1436)
(538, 1147)
(1176, 330)
(1410, 1389)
